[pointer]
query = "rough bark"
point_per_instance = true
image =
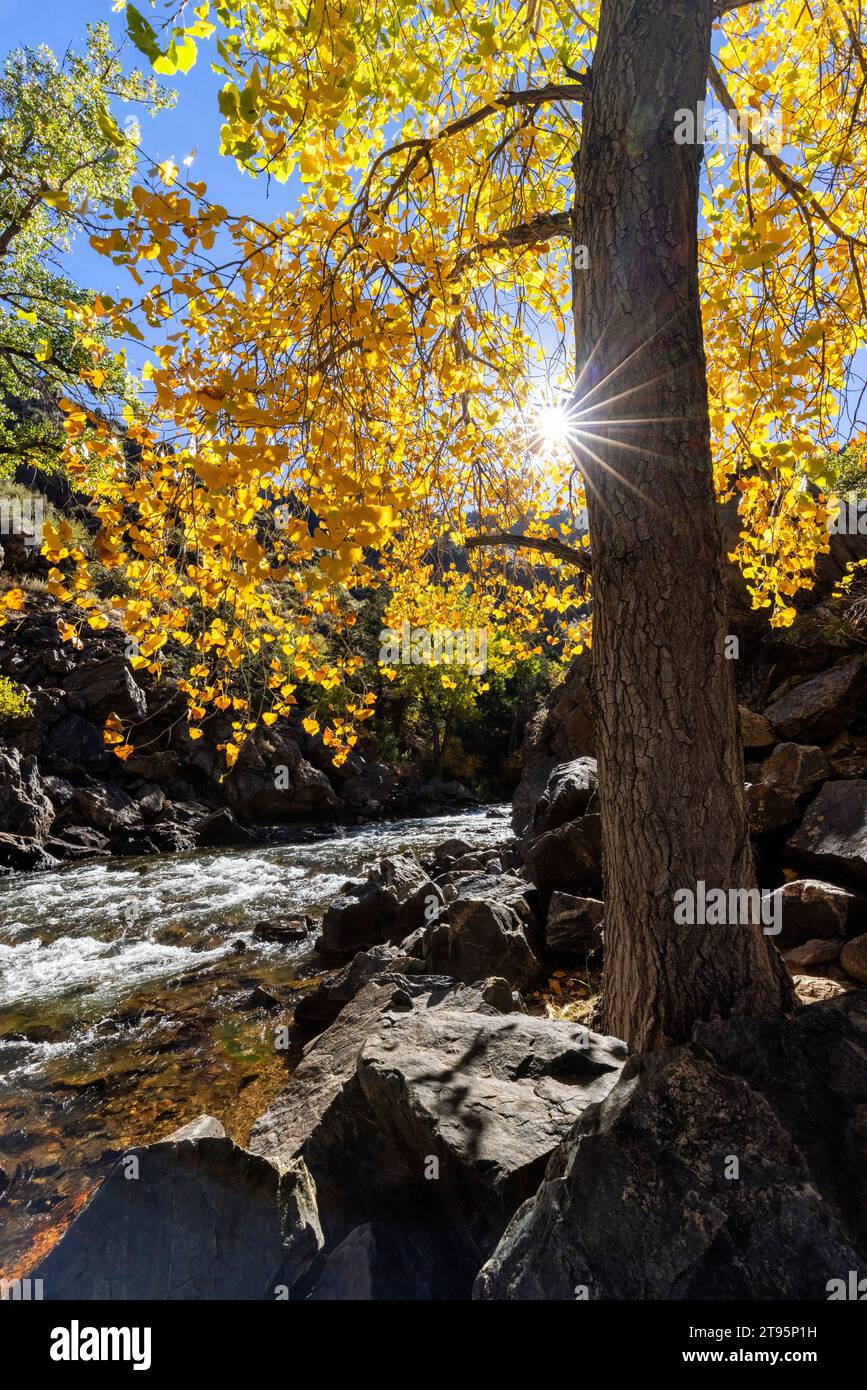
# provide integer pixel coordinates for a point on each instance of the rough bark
(671, 766)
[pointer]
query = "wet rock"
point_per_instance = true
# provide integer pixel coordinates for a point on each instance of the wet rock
(640, 1202)
(450, 850)
(832, 840)
(163, 837)
(812, 909)
(853, 958)
(388, 906)
(203, 1219)
(755, 729)
(568, 860)
(25, 808)
(573, 925)
(287, 932)
(821, 706)
(77, 842)
(568, 793)
(260, 998)
(221, 828)
(482, 938)
(19, 855)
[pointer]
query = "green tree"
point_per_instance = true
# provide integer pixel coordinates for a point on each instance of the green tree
(63, 161)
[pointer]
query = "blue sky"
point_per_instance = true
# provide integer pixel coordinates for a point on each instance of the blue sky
(194, 122)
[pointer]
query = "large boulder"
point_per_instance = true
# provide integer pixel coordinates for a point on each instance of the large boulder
(569, 791)
(396, 898)
(482, 938)
(191, 1217)
(433, 1113)
(731, 1168)
(568, 860)
(574, 925)
(832, 839)
(221, 828)
(489, 1097)
(821, 706)
(25, 808)
(379, 1261)
(810, 909)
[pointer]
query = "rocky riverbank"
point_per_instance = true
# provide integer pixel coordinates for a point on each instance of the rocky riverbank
(440, 1134)
(65, 797)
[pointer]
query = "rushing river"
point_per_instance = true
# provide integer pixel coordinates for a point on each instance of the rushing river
(124, 1002)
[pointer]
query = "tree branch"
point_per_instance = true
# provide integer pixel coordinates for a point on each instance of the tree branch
(550, 546)
(798, 190)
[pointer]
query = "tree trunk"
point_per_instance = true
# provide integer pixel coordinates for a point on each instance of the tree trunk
(670, 759)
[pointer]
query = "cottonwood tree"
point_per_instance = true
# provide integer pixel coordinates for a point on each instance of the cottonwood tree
(464, 178)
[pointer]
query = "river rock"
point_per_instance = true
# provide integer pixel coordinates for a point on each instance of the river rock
(821, 706)
(482, 938)
(569, 790)
(853, 958)
(20, 855)
(568, 860)
(641, 1201)
(319, 1008)
(107, 806)
(396, 898)
(221, 828)
(488, 1096)
(191, 1217)
(573, 925)
(25, 809)
(440, 1077)
(832, 839)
